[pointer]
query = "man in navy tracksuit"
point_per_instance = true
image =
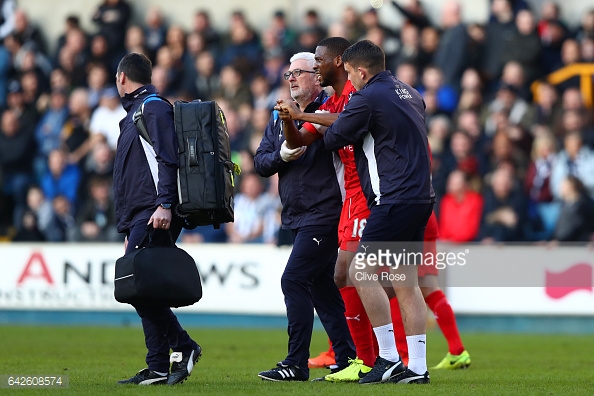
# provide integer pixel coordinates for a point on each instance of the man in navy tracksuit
(311, 198)
(385, 122)
(145, 190)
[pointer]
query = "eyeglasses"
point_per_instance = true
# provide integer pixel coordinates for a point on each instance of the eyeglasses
(296, 73)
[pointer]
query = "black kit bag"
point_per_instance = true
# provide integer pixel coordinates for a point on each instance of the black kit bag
(157, 275)
(206, 173)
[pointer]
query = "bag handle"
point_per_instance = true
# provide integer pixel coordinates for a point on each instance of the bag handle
(149, 233)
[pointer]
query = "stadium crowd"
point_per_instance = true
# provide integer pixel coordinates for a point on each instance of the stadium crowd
(510, 113)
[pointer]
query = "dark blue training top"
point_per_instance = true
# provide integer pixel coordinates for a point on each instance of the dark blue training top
(144, 175)
(385, 122)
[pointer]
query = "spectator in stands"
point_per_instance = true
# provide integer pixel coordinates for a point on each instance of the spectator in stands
(507, 102)
(504, 209)
(407, 73)
(525, 47)
(552, 32)
(28, 31)
(409, 50)
(38, 205)
(576, 216)
(432, 80)
(27, 114)
(428, 46)
(17, 149)
(499, 33)
(28, 230)
(97, 81)
(546, 104)
(48, 133)
(460, 210)
(61, 178)
(154, 31)
(99, 165)
(312, 20)
(96, 220)
(233, 88)
(513, 74)
(75, 132)
(438, 132)
(202, 25)
(450, 56)
(352, 23)
(459, 156)
(105, 120)
(72, 22)
(576, 121)
(574, 160)
(99, 53)
(250, 211)
(542, 210)
(61, 225)
(135, 41)
(208, 81)
(112, 17)
(243, 49)
(78, 44)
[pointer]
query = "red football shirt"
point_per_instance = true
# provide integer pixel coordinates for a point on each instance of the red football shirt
(335, 104)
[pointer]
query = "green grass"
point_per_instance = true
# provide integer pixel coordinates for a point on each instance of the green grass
(95, 358)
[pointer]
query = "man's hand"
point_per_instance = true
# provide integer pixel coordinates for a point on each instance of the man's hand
(288, 106)
(289, 155)
(161, 218)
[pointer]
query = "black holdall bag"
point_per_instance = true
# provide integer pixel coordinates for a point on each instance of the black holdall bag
(157, 275)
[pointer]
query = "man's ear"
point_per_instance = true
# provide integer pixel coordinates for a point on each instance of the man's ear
(338, 61)
(122, 78)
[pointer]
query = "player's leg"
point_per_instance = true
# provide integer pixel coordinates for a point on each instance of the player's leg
(410, 298)
(457, 356)
(376, 301)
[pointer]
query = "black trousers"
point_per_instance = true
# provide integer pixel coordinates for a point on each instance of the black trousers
(308, 283)
(162, 331)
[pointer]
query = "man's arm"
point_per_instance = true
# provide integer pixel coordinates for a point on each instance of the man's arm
(267, 160)
(158, 117)
(352, 125)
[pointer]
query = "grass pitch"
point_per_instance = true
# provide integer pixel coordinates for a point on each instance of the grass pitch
(95, 358)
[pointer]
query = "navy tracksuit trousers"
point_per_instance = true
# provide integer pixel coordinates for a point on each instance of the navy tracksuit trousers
(162, 331)
(308, 283)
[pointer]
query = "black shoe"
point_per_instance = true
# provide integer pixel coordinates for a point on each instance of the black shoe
(410, 377)
(283, 372)
(382, 371)
(146, 377)
(182, 365)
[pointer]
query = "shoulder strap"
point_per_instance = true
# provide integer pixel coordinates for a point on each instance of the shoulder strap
(138, 117)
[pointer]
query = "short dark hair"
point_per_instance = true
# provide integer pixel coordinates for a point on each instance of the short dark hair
(365, 54)
(335, 46)
(137, 67)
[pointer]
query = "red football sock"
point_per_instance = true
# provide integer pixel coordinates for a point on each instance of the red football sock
(444, 315)
(399, 333)
(359, 325)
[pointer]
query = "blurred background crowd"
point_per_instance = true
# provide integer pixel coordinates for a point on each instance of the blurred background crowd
(510, 113)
